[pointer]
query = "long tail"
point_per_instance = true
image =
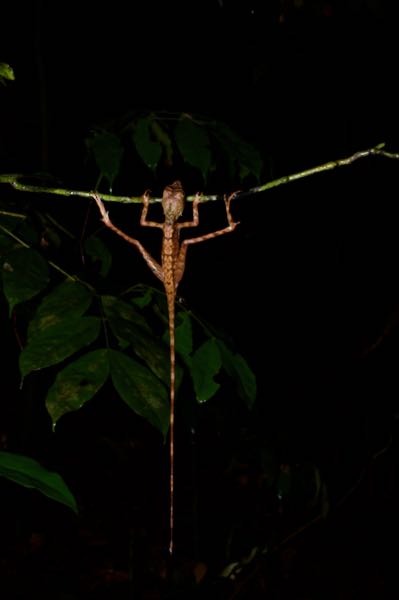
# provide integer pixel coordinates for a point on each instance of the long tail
(171, 311)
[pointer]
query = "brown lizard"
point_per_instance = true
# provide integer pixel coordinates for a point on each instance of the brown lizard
(170, 272)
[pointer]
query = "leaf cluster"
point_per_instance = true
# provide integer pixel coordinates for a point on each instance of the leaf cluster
(85, 337)
(165, 140)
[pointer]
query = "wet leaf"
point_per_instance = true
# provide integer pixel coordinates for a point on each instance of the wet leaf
(205, 365)
(25, 274)
(107, 151)
(193, 144)
(98, 252)
(57, 342)
(77, 383)
(143, 342)
(238, 153)
(28, 472)
(114, 307)
(163, 137)
(184, 334)
(149, 150)
(140, 389)
(69, 299)
(143, 296)
(237, 368)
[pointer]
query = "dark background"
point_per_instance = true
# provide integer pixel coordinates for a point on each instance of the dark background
(309, 280)
(298, 80)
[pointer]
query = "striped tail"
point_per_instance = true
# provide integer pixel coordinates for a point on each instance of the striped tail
(171, 314)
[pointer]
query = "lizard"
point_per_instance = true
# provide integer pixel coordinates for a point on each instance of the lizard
(170, 272)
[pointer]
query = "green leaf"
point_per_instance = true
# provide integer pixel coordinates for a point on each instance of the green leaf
(206, 363)
(98, 251)
(237, 368)
(149, 151)
(143, 297)
(25, 274)
(29, 473)
(108, 151)
(143, 343)
(77, 383)
(193, 144)
(69, 299)
(184, 335)
(163, 137)
(55, 343)
(237, 151)
(141, 391)
(114, 307)
(6, 73)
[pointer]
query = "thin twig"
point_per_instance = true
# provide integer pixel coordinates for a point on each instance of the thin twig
(333, 164)
(16, 180)
(50, 262)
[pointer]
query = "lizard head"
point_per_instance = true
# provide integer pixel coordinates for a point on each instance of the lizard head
(173, 201)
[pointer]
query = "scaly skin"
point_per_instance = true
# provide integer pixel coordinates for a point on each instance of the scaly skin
(170, 272)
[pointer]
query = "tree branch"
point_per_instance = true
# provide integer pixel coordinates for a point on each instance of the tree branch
(16, 180)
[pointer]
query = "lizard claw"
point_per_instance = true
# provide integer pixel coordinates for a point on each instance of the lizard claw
(101, 206)
(146, 197)
(227, 200)
(233, 196)
(197, 198)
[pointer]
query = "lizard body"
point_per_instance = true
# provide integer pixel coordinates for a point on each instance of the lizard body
(170, 272)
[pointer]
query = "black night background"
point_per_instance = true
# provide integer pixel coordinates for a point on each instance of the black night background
(297, 496)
